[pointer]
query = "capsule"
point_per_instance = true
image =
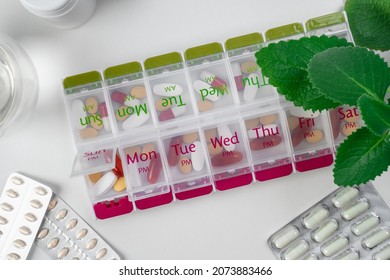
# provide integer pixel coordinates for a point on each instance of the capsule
(104, 114)
(197, 157)
(124, 99)
(237, 76)
(383, 254)
(118, 169)
(362, 227)
(334, 246)
(155, 167)
(325, 230)
(172, 113)
(344, 197)
(223, 159)
(311, 257)
(265, 142)
(315, 217)
(224, 132)
(285, 237)
(376, 238)
(104, 184)
(173, 156)
(296, 251)
(167, 89)
(349, 255)
(355, 210)
(212, 80)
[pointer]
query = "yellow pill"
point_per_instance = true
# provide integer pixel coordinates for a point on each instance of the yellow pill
(185, 165)
(249, 67)
(214, 150)
(120, 184)
(88, 132)
(91, 105)
(349, 128)
(293, 122)
(138, 92)
(150, 147)
(95, 177)
(268, 119)
(120, 114)
(252, 123)
(96, 123)
(132, 150)
(210, 134)
(314, 136)
(162, 105)
(190, 137)
(205, 105)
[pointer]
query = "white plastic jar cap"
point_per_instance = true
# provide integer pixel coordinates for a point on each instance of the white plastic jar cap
(47, 8)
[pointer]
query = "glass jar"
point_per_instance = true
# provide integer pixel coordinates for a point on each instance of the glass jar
(18, 86)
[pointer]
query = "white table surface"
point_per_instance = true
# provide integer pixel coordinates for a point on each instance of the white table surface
(234, 224)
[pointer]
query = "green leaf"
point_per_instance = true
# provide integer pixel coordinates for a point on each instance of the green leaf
(360, 158)
(345, 73)
(369, 21)
(285, 64)
(376, 114)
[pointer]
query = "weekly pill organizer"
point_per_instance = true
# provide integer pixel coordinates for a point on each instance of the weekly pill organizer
(186, 124)
(348, 224)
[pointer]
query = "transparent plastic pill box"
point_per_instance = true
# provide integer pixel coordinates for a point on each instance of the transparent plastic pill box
(187, 124)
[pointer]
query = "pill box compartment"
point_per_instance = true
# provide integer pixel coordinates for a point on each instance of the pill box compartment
(210, 81)
(187, 165)
(145, 173)
(344, 121)
(86, 105)
(227, 155)
(310, 138)
(252, 87)
(268, 144)
(170, 91)
(322, 232)
(128, 98)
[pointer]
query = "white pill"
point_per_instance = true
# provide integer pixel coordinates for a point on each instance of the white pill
(311, 257)
(361, 227)
(262, 131)
(376, 238)
(6, 207)
(131, 102)
(225, 132)
(315, 217)
(296, 251)
(12, 193)
(52, 243)
(383, 254)
(25, 230)
(78, 113)
(301, 113)
(19, 243)
(207, 77)
(105, 183)
(43, 233)
(81, 233)
(167, 89)
(206, 91)
(63, 253)
(355, 210)
(334, 246)
(40, 190)
(71, 224)
(13, 256)
(61, 214)
(52, 205)
(91, 244)
(349, 255)
(30, 217)
(178, 111)
(101, 253)
(3, 220)
(250, 89)
(17, 180)
(135, 121)
(344, 197)
(325, 230)
(197, 157)
(35, 204)
(285, 237)
(135, 179)
(236, 68)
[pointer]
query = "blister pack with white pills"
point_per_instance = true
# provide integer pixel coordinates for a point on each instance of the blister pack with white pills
(23, 205)
(65, 235)
(348, 224)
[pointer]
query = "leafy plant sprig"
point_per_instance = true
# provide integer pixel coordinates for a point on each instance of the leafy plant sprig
(321, 73)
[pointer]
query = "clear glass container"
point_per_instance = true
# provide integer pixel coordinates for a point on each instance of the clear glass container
(18, 86)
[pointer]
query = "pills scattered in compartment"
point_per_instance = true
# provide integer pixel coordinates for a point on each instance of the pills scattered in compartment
(65, 235)
(23, 204)
(348, 224)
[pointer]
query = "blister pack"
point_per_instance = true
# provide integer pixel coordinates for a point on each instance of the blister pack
(23, 204)
(65, 235)
(348, 224)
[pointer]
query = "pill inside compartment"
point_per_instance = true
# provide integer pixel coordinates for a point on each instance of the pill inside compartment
(144, 170)
(170, 90)
(186, 160)
(344, 121)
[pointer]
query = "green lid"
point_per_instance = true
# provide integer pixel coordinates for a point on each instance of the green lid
(122, 70)
(284, 31)
(326, 20)
(162, 60)
(243, 41)
(82, 79)
(204, 50)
